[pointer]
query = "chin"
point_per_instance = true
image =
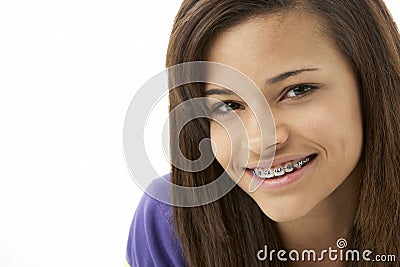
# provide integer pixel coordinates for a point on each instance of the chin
(282, 214)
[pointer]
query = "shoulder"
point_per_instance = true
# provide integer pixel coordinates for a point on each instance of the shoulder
(152, 240)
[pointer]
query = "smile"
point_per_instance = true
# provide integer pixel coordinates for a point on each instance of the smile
(283, 169)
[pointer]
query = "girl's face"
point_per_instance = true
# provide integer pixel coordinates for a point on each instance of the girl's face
(313, 96)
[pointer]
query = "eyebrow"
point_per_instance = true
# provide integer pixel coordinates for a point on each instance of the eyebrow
(219, 92)
(283, 76)
(274, 80)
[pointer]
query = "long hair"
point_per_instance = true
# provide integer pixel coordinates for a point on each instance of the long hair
(230, 231)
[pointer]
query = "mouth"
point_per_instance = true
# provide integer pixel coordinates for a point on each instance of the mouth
(283, 169)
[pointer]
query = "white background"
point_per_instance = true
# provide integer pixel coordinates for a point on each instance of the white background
(68, 71)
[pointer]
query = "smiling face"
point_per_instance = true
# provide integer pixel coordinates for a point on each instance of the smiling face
(313, 96)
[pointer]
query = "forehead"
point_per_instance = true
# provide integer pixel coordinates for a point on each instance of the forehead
(273, 42)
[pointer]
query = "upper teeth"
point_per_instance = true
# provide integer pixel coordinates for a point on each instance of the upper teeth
(280, 170)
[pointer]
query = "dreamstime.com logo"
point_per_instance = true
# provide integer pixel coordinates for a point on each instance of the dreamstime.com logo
(332, 254)
(142, 105)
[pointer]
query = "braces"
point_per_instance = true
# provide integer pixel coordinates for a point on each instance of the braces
(280, 171)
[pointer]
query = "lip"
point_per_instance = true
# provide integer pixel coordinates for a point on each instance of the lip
(288, 179)
(263, 164)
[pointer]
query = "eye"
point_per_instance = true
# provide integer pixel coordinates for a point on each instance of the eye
(299, 91)
(226, 107)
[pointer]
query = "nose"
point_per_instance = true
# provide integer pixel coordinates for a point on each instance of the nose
(267, 136)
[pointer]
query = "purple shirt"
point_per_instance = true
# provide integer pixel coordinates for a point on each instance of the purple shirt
(152, 240)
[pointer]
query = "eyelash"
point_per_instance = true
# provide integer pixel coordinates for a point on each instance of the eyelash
(309, 88)
(216, 109)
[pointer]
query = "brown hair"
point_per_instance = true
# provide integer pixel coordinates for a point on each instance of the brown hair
(230, 231)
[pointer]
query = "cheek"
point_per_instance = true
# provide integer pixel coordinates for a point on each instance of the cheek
(221, 144)
(333, 123)
(336, 128)
(230, 147)
(341, 129)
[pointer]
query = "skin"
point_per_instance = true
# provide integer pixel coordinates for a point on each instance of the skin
(319, 208)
